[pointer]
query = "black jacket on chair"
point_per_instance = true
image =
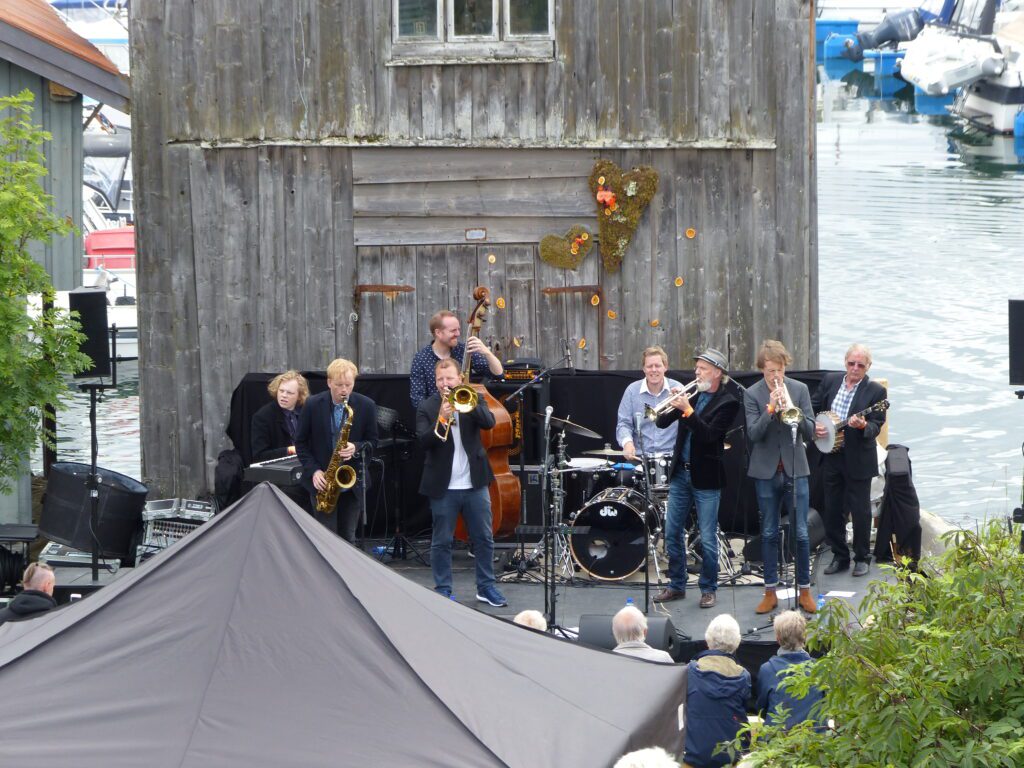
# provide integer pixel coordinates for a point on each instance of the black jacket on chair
(707, 430)
(858, 455)
(437, 464)
(269, 438)
(314, 443)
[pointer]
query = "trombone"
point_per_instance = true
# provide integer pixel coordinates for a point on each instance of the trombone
(463, 399)
(695, 386)
(788, 414)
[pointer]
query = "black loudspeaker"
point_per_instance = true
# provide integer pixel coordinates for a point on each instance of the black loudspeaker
(596, 631)
(91, 306)
(67, 509)
(1016, 341)
(815, 533)
(530, 483)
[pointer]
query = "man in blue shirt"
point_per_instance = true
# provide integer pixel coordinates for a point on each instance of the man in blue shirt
(445, 328)
(652, 389)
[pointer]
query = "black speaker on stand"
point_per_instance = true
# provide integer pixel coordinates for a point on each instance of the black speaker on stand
(91, 306)
(1016, 322)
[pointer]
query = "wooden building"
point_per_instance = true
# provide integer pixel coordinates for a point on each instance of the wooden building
(293, 156)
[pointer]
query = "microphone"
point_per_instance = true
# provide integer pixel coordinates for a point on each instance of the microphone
(568, 356)
(547, 416)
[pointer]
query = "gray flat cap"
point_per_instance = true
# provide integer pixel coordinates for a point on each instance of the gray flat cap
(714, 357)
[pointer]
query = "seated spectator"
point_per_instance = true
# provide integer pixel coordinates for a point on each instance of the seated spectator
(36, 596)
(717, 689)
(532, 619)
(790, 629)
(630, 630)
(652, 757)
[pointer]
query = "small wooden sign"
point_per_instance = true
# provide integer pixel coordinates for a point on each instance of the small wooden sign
(476, 233)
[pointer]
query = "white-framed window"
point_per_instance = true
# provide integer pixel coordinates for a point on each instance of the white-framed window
(472, 31)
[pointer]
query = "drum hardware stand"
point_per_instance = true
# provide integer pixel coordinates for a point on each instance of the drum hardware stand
(518, 397)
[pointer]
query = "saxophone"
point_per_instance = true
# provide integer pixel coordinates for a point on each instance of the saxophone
(340, 477)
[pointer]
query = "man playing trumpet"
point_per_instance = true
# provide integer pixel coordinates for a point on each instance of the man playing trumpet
(779, 420)
(703, 414)
(456, 476)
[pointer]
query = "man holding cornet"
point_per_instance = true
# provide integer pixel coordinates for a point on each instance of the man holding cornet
(456, 476)
(779, 420)
(704, 411)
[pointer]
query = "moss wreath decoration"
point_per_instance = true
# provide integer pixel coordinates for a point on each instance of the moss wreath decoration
(621, 200)
(567, 251)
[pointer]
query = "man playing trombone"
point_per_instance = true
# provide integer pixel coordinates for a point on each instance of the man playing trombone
(703, 411)
(779, 420)
(456, 477)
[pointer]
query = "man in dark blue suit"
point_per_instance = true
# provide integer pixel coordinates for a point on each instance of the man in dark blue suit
(847, 474)
(320, 426)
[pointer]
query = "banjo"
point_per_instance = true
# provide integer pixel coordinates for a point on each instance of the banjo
(833, 440)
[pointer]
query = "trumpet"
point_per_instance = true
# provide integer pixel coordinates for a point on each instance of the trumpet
(695, 386)
(788, 414)
(463, 399)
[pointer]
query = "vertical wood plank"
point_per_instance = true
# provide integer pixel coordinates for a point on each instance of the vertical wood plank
(492, 276)
(373, 331)
(521, 302)
(399, 335)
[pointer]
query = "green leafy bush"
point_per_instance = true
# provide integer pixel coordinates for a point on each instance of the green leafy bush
(38, 349)
(930, 673)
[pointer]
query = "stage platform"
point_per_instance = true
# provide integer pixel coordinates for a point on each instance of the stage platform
(585, 596)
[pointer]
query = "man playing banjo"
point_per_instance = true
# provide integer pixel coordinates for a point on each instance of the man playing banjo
(847, 472)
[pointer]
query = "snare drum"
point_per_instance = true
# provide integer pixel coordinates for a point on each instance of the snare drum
(615, 546)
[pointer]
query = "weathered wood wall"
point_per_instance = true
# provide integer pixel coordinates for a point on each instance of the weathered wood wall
(62, 256)
(280, 164)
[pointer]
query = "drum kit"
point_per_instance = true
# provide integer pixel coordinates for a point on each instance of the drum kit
(607, 514)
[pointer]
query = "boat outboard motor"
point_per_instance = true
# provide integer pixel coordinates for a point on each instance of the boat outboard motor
(898, 27)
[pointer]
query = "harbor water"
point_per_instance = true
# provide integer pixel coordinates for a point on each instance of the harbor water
(921, 244)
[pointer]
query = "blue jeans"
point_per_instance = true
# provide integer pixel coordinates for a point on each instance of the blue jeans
(771, 495)
(475, 506)
(681, 495)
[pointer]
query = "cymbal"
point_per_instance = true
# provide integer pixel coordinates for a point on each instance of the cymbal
(569, 426)
(606, 451)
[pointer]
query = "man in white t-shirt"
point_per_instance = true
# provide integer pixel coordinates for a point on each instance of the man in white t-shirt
(456, 476)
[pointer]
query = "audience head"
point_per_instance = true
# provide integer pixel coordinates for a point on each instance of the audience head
(723, 634)
(652, 757)
(629, 625)
(790, 630)
(39, 577)
(532, 618)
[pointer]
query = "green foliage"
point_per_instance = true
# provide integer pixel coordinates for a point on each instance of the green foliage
(930, 673)
(37, 349)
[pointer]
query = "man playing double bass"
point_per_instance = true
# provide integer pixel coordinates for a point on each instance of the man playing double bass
(847, 474)
(446, 330)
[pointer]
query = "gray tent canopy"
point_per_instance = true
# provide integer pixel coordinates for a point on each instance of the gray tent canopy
(262, 639)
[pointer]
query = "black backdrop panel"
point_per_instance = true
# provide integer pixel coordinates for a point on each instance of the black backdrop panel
(590, 398)
(1016, 341)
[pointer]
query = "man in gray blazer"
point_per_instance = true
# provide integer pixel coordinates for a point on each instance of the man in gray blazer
(779, 420)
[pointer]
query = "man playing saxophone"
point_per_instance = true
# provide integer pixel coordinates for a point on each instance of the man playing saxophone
(779, 420)
(325, 418)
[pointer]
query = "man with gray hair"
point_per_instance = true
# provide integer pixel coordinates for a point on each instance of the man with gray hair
(848, 472)
(36, 596)
(630, 630)
(717, 689)
(790, 629)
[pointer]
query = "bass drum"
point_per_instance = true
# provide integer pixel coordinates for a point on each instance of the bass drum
(615, 545)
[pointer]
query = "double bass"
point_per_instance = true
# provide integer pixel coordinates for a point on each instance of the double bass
(505, 489)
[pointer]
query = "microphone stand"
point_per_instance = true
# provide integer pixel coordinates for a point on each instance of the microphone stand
(520, 403)
(638, 421)
(549, 610)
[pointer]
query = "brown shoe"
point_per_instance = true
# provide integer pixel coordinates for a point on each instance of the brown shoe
(707, 600)
(668, 594)
(768, 602)
(807, 602)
